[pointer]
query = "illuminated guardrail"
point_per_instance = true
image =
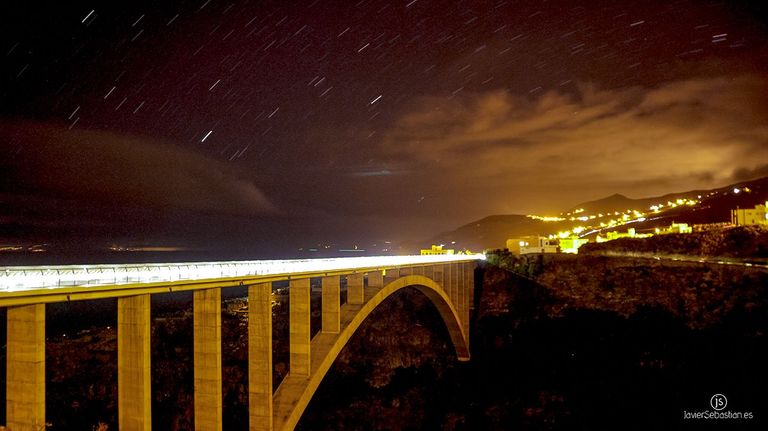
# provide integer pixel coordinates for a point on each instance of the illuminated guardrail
(20, 278)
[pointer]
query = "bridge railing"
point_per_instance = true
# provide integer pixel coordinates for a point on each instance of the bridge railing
(19, 278)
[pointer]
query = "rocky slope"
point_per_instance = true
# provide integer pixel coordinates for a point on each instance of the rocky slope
(739, 242)
(698, 294)
(581, 344)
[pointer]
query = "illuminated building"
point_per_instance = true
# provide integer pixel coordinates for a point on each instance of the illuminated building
(757, 215)
(515, 244)
(436, 250)
(530, 244)
(675, 228)
(630, 233)
(572, 244)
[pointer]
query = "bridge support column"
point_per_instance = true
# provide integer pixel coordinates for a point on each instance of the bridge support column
(376, 279)
(331, 304)
(25, 368)
(299, 327)
(456, 284)
(437, 276)
(470, 274)
(355, 290)
(391, 275)
(134, 395)
(428, 271)
(448, 284)
(462, 296)
(207, 359)
(260, 357)
(469, 293)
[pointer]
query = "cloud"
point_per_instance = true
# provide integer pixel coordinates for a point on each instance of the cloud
(576, 145)
(105, 168)
(745, 174)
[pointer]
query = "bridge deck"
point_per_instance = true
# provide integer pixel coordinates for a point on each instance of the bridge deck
(21, 285)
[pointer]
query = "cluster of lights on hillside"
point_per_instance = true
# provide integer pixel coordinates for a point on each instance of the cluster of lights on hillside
(679, 202)
(573, 229)
(597, 222)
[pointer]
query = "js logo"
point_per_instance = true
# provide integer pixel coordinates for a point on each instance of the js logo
(718, 402)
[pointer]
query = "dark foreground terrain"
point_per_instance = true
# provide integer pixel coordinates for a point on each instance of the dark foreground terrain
(595, 343)
(588, 342)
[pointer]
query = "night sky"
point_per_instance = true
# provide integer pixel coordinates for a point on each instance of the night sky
(270, 125)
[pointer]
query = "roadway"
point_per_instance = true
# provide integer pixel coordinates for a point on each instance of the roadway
(71, 282)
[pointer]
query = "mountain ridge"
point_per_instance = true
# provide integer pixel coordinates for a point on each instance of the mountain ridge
(714, 206)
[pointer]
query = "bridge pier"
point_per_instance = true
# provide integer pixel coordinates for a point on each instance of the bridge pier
(448, 283)
(429, 272)
(461, 296)
(355, 289)
(376, 279)
(458, 291)
(260, 357)
(299, 327)
(391, 274)
(331, 304)
(207, 359)
(134, 396)
(438, 277)
(25, 368)
(445, 278)
(469, 289)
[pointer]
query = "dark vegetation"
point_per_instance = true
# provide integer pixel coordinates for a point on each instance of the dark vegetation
(594, 351)
(738, 242)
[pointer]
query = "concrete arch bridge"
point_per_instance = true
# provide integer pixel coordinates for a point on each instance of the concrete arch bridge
(447, 280)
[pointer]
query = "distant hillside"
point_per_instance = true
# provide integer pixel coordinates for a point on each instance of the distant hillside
(610, 204)
(619, 202)
(713, 206)
(490, 232)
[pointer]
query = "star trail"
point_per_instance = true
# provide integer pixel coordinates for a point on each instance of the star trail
(270, 122)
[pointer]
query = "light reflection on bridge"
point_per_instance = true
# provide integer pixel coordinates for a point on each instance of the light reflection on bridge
(19, 278)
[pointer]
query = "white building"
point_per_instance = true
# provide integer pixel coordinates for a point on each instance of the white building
(538, 244)
(436, 250)
(757, 215)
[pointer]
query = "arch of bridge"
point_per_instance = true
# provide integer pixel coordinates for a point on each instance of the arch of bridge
(432, 290)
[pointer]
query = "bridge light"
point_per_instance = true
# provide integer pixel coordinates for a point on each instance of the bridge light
(21, 278)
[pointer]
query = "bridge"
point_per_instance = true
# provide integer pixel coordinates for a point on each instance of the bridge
(447, 280)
